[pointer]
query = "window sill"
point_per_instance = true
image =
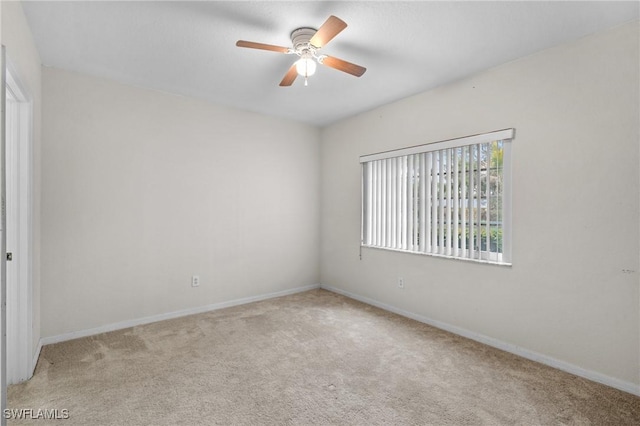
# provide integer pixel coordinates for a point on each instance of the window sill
(442, 256)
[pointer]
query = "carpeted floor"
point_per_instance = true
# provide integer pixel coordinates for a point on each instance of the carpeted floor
(310, 358)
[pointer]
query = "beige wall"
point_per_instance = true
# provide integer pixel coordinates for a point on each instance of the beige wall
(22, 52)
(144, 189)
(572, 294)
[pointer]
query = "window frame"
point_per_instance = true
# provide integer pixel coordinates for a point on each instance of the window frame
(506, 136)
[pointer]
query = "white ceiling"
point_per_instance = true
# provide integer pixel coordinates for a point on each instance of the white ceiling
(188, 48)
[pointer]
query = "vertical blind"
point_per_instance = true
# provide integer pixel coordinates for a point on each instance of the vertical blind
(449, 198)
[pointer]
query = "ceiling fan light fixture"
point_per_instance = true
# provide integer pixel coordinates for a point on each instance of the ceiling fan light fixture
(306, 42)
(306, 67)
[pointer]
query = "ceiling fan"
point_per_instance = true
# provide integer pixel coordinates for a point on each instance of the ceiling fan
(306, 44)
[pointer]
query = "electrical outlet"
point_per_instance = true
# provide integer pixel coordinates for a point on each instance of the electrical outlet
(195, 281)
(401, 282)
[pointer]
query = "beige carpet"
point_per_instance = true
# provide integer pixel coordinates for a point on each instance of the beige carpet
(311, 358)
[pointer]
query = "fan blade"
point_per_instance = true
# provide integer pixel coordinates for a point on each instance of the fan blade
(262, 46)
(327, 31)
(290, 76)
(344, 66)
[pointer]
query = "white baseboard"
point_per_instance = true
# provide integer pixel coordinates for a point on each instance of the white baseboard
(170, 315)
(507, 347)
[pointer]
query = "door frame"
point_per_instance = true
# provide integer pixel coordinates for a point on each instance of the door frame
(3, 248)
(18, 238)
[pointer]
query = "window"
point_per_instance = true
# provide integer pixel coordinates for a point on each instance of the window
(449, 198)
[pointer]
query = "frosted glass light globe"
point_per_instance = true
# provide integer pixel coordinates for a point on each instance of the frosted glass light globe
(306, 67)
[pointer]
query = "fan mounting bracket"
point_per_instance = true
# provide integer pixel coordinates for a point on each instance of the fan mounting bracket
(300, 39)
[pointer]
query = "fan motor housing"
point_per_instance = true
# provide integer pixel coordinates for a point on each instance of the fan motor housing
(300, 38)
